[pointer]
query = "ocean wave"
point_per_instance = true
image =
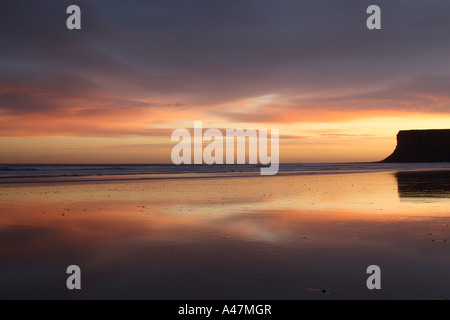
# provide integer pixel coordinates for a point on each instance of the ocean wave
(64, 172)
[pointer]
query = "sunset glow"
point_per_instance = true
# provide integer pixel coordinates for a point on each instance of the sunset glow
(114, 91)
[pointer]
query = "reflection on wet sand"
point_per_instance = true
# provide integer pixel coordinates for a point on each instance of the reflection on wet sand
(424, 184)
(243, 238)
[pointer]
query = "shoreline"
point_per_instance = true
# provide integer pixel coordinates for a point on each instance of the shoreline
(251, 238)
(238, 172)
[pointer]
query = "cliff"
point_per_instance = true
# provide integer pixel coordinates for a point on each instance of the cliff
(422, 146)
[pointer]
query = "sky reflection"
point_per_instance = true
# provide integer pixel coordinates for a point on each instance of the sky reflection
(283, 237)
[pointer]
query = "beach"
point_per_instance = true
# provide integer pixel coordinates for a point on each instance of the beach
(200, 236)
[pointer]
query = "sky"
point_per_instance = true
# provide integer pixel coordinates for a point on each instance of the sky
(114, 91)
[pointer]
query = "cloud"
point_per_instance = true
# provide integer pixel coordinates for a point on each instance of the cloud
(147, 61)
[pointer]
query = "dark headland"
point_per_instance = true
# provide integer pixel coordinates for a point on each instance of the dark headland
(422, 146)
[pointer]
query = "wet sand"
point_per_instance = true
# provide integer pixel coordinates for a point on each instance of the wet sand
(287, 237)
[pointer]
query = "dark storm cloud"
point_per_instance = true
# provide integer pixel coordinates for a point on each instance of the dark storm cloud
(203, 52)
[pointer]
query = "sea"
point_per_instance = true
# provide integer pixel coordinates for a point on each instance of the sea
(41, 173)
